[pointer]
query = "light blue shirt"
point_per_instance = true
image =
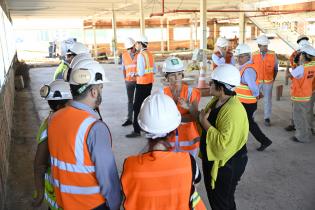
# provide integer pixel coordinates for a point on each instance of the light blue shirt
(141, 65)
(249, 78)
(220, 60)
(298, 72)
(99, 146)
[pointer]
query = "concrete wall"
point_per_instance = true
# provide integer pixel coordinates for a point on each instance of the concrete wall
(6, 114)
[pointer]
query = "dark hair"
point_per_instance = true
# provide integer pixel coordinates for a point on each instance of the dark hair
(221, 86)
(168, 73)
(55, 105)
(153, 142)
(307, 57)
(80, 91)
(144, 45)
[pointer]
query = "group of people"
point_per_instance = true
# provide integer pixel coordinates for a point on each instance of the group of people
(75, 166)
(258, 72)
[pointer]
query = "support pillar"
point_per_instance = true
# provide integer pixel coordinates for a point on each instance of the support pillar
(162, 37)
(191, 43)
(94, 38)
(170, 35)
(242, 27)
(216, 30)
(142, 21)
(114, 41)
(203, 45)
(196, 30)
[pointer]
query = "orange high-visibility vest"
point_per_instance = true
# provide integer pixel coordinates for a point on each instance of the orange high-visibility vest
(186, 138)
(157, 180)
(301, 89)
(228, 57)
(265, 67)
(148, 77)
(244, 94)
(130, 66)
(73, 171)
(292, 63)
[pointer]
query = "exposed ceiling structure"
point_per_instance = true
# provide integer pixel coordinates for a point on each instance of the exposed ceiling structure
(130, 8)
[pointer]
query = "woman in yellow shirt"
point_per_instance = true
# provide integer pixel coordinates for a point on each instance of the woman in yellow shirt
(223, 140)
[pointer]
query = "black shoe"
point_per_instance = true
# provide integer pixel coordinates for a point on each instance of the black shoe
(133, 135)
(264, 146)
(290, 128)
(126, 123)
(267, 122)
(295, 139)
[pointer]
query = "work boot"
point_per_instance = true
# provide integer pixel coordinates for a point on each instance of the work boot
(267, 122)
(290, 128)
(296, 139)
(126, 123)
(133, 135)
(264, 146)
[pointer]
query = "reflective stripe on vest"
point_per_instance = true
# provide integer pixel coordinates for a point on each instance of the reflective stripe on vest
(75, 189)
(157, 180)
(73, 171)
(79, 167)
(148, 77)
(186, 138)
(50, 197)
(244, 94)
(43, 135)
(148, 68)
(301, 89)
(130, 66)
(52, 203)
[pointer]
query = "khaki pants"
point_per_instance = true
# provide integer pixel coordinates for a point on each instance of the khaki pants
(302, 121)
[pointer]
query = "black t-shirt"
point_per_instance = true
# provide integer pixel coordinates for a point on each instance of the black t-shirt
(212, 119)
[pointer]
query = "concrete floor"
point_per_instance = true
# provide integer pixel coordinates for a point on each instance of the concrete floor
(282, 177)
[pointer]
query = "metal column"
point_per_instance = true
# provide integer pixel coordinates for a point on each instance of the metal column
(191, 43)
(114, 37)
(142, 21)
(162, 37)
(95, 41)
(242, 28)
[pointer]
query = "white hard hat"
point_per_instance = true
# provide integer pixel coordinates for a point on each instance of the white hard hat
(56, 90)
(222, 42)
(80, 57)
(87, 72)
(242, 49)
(308, 49)
(129, 43)
(78, 48)
(142, 39)
(159, 114)
(302, 43)
(262, 40)
(227, 74)
(302, 37)
(173, 64)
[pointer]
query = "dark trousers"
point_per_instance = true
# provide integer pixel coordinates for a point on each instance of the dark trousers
(130, 87)
(253, 127)
(142, 91)
(222, 196)
(104, 206)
